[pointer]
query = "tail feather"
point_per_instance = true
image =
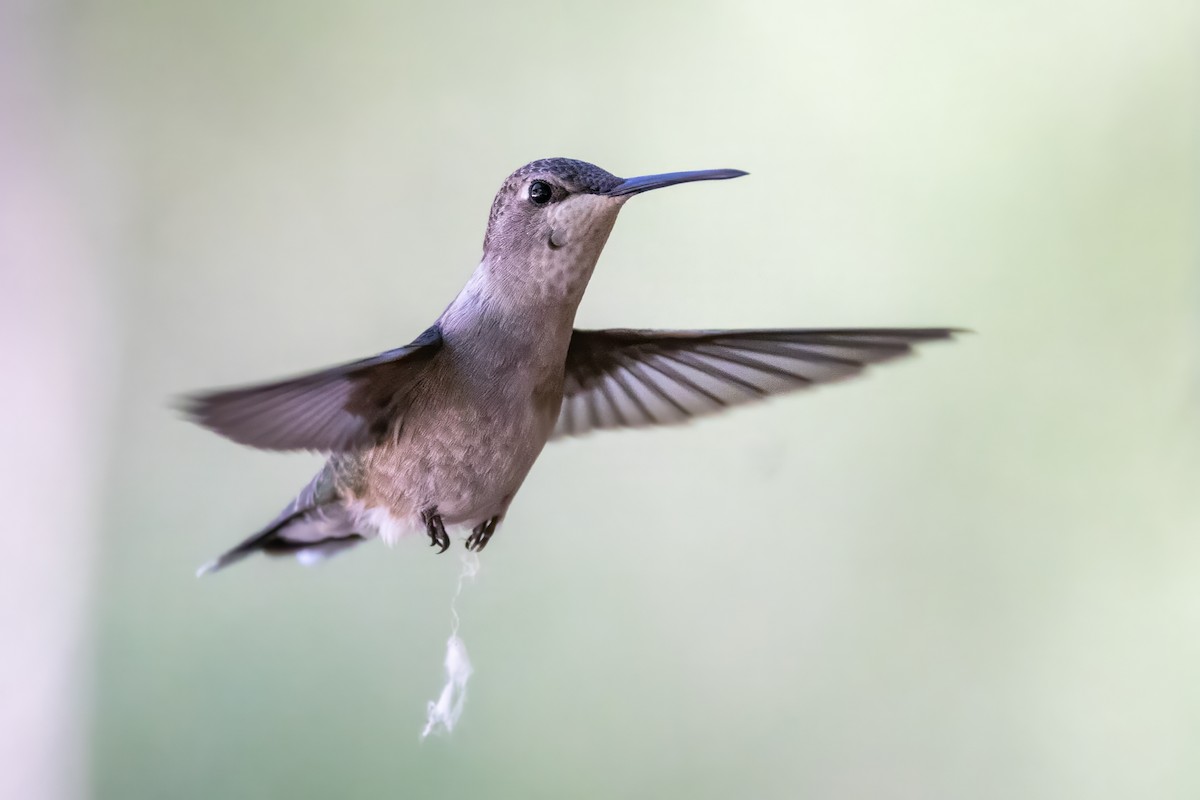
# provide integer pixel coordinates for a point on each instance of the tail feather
(311, 535)
(258, 541)
(316, 525)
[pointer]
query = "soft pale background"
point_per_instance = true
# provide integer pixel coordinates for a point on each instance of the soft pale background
(975, 574)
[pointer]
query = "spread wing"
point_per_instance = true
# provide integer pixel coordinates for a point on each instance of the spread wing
(634, 378)
(341, 408)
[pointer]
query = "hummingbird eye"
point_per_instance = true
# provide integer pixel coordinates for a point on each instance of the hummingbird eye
(540, 193)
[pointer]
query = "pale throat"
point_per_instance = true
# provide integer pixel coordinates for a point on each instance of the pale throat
(527, 295)
(553, 271)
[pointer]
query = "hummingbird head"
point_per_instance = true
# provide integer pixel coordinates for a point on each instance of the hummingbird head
(551, 218)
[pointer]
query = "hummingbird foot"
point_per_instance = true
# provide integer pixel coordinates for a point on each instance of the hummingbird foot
(435, 529)
(482, 534)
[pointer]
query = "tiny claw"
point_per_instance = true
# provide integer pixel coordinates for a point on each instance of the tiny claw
(482, 535)
(435, 530)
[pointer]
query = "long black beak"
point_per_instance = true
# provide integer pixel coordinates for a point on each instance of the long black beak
(645, 183)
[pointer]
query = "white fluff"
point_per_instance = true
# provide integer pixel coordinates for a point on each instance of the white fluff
(389, 528)
(443, 713)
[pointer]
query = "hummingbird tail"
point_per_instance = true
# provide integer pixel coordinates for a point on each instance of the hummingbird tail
(311, 535)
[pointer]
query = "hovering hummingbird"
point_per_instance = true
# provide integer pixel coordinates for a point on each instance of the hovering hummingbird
(442, 432)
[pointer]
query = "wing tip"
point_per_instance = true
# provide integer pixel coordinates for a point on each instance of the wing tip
(201, 408)
(190, 406)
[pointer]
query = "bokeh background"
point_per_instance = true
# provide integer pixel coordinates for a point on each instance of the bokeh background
(974, 574)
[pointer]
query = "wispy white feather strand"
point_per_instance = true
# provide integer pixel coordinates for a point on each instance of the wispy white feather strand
(443, 713)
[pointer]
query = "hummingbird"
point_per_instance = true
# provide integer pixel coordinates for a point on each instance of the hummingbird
(441, 433)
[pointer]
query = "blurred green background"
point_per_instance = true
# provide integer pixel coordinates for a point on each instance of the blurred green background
(975, 574)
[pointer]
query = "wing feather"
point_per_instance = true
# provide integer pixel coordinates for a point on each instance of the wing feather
(336, 409)
(633, 378)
